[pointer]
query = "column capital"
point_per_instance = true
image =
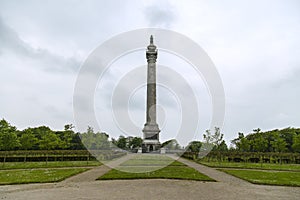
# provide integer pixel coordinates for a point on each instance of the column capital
(151, 53)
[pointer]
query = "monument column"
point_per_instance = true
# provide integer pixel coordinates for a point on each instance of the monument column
(151, 130)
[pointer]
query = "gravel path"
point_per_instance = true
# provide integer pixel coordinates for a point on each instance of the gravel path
(84, 187)
(213, 173)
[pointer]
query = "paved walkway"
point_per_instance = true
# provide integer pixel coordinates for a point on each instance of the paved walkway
(213, 173)
(84, 187)
(93, 174)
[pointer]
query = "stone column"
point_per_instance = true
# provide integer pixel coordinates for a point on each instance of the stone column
(151, 56)
(151, 130)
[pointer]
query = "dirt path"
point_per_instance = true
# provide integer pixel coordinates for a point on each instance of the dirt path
(84, 187)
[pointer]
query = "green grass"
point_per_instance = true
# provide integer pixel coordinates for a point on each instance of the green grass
(151, 161)
(36, 175)
(170, 172)
(154, 167)
(56, 164)
(266, 166)
(267, 177)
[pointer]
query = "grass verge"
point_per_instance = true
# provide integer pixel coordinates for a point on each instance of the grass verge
(283, 178)
(37, 175)
(31, 165)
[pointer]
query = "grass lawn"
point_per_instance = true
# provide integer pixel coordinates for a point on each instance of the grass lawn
(267, 166)
(30, 165)
(157, 166)
(267, 177)
(151, 160)
(170, 172)
(37, 175)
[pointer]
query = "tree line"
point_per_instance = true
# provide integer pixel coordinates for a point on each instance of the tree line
(284, 140)
(38, 138)
(43, 138)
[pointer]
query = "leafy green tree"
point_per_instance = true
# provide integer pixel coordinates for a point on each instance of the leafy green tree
(296, 143)
(39, 134)
(69, 127)
(76, 143)
(257, 130)
(236, 142)
(27, 139)
(222, 147)
(288, 135)
(8, 136)
(194, 146)
(279, 144)
(101, 140)
(95, 141)
(244, 145)
(121, 142)
(136, 142)
(88, 138)
(66, 136)
(259, 144)
(49, 141)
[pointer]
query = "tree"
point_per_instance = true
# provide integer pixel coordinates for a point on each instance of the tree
(194, 146)
(101, 140)
(95, 141)
(244, 145)
(88, 138)
(288, 134)
(257, 130)
(69, 127)
(214, 139)
(66, 136)
(27, 139)
(76, 142)
(49, 141)
(39, 131)
(259, 144)
(121, 142)
(136, 142)
(236, 142)
(296, 143)
(8, 136)
(279, 144)
(222, 147)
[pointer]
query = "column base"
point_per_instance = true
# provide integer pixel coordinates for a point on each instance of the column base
(149, 146)
(151, 132)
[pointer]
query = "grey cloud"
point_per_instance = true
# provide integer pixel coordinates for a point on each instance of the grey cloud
(10, 40)
(11, 43)
(160, 15)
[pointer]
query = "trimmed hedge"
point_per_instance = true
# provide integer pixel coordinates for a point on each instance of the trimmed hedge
(57, 155)
(251, 157)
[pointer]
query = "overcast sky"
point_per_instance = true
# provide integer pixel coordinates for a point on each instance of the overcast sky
(255, 46)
